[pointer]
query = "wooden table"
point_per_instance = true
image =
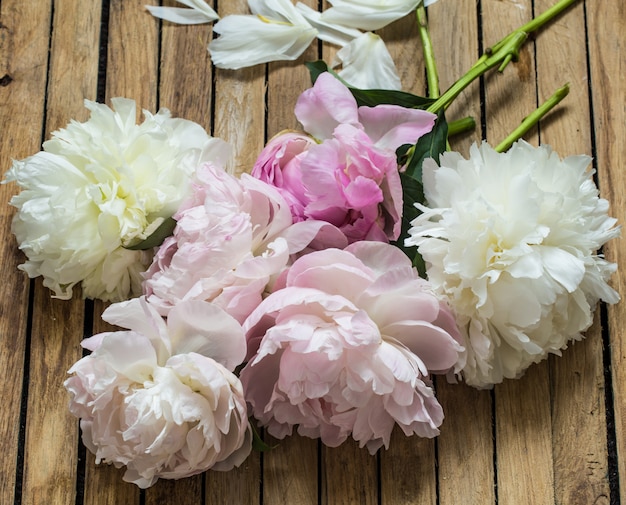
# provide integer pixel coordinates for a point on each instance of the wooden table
(558, 435)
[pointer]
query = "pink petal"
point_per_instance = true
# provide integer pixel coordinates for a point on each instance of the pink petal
(324, 106)
(390, 126)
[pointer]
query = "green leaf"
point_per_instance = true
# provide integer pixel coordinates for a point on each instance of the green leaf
(165, 229)
(257, 442)
(430, 145)
(412, 192)
(372, 97)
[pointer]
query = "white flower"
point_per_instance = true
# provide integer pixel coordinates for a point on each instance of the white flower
(161, 398)
(366, 64)
(99, 186)
(200, 12)
(275, 31)
(369, 14)
(511, 240)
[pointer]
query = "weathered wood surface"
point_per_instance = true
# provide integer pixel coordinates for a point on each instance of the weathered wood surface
(558, 435)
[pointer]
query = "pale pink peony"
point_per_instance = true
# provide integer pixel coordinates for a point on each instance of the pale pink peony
(161, 398)
(345, 346)
(232, 238)
(350, 179)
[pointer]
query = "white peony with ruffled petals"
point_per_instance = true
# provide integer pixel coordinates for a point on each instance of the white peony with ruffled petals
(161, 398)
(100, 186)
(511, 240)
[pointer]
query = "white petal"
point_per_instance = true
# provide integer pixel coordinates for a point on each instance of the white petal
(367, 64)
(367, 14)
(335, 34)
(200, 12)
(249, 40)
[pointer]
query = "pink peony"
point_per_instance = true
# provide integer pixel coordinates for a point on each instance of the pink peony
(350, 179)
(233, 236)
(345, 347)
(279, 165)
(354, 185)
(161, 398)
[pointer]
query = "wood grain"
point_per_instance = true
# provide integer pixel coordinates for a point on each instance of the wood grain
(607, 28)
(523, 441)
(50, 472)
(550, 428)
(577, 383)
(23, 66)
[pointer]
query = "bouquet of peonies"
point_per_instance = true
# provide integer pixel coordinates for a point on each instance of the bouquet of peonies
(293, 294)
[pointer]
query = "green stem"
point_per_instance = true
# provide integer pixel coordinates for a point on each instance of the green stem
(532, 119)
(432, 76)
(461, 125)
(500, 54)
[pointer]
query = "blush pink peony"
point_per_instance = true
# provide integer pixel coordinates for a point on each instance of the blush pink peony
(349, 177)
(161, 398)
(233, 236)
(345, 347)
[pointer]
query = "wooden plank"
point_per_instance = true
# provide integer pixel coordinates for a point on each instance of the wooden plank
(290, 471)
(240, 485)
(133, 56)
(23, 67)
(465, 446)
(51, 431)
(349, 475)
(454, 29)
(186, 72)
(186, 491)
(407, 471)
(523, 424)
(607, 45)
(50, 468)
(240, 105)
(577, 378)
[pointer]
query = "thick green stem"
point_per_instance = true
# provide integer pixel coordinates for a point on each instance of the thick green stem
(432, 76)
(532, 119)
(500, 54)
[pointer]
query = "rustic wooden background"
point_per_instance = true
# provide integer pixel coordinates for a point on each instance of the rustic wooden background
(558, 435)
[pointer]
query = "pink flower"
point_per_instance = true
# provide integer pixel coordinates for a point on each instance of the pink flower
(354, 185)
(329, 103)
(232, 238)
(279, 165)
(161, 398)
(350, 179)
(345, 347)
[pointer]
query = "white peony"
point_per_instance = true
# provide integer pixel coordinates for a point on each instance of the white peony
(511, 240)
(99, 186)
(161, 398)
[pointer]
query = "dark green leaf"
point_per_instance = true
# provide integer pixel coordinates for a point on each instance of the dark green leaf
(258, 444)
(372, 97)
(430, 145)
(156, 239)
(412, 192)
